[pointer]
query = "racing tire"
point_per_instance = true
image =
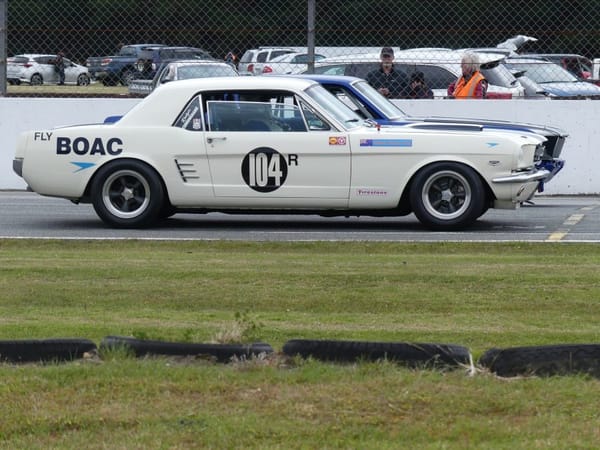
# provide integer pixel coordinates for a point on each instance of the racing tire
(127, 194)
(546, 360)
(447, 196)
(410, 354)
(83, 80)
(221, 352)
(44, 350)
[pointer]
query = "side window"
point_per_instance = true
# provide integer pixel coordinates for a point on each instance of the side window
(262, 57)
(360, 70)
(314, 121)
(435, 77)
(351, 101)
(276, 53)
(331, 70)
(191, 117)
(264, 116)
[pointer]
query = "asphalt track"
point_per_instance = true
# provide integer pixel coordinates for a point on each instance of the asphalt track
(547, 219)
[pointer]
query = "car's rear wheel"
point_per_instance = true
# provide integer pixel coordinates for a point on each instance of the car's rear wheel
(447, 196)
(83, 80)
(36, 79)
(127, 194)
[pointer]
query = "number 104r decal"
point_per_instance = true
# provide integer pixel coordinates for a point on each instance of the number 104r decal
(265, 169)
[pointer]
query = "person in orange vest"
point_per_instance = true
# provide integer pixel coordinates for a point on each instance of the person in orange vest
(471, 84)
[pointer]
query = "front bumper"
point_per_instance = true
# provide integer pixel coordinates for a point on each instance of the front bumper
(523, 177)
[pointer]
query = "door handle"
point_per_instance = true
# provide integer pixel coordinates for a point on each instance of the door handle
(210, 140)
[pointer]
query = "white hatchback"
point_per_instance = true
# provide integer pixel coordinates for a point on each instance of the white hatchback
(37, 69)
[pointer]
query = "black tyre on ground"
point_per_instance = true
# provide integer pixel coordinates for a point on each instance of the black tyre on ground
(447, 196)
(543, 360)
(221, 352)
(127, 194)
(42, 350)
(411, 354)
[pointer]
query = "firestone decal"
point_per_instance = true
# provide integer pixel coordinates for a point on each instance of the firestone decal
(265, 169)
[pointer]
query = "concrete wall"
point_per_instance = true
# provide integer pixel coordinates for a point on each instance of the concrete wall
(577, 117)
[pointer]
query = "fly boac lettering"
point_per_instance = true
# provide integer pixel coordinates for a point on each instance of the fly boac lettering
(83, 146)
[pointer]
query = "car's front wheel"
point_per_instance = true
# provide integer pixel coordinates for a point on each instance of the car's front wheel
(447, 196)
(83, 80)
(127, 194)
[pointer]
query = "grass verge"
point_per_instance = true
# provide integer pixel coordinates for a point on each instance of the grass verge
(477, 295)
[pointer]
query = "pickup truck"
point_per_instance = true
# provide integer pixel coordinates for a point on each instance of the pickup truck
(120, 68)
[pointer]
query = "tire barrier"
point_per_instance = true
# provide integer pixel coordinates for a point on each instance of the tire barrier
(44, 350)
(411, 354)
(222, 352)
(545, 360)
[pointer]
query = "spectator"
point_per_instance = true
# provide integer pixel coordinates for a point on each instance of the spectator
(231, 59)
(418, 88)
(389, 82)
(59, 67)
(471, 84)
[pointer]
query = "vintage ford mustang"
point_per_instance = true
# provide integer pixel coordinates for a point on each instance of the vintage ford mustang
(276, 145)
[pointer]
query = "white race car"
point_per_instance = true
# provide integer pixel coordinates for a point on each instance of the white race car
(276, 145)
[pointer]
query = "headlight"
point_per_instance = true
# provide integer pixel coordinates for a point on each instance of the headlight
(526, 156)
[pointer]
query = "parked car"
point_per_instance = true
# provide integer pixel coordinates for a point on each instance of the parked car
(289, 63)
(553, 79)
(182, 70)
(151, 58)
(119, 68)
(37, 69)
(578, 65)
(275, 145)
(440, 67)
(252, 60)
(365, 101)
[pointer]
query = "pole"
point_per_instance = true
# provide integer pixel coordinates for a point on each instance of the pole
(311, 35)
(3, 40)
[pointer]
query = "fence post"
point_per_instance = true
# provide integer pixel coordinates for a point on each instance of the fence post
(3, 42)
(311, 35)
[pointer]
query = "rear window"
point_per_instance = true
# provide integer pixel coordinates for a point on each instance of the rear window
(18, 59)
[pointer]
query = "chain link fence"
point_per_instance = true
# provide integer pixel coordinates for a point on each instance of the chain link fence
(113, 42)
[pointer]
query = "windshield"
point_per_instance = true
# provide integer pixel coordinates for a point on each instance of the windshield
(543, 72)
(388, 109)
(333, 106)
